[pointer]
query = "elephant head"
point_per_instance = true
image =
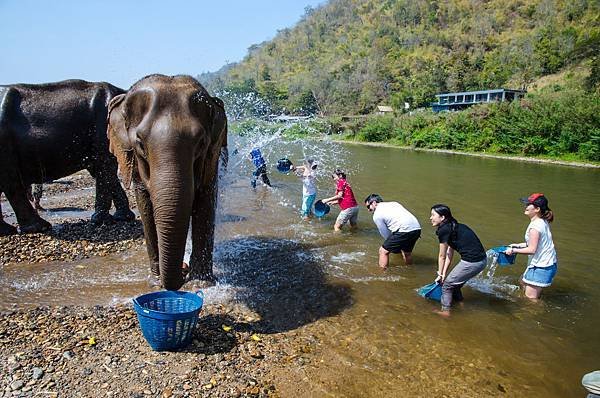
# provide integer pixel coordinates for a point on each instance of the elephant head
(168, 134)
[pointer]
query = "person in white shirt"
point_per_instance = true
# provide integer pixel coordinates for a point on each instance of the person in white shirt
(308, 173)
(542, 262)
(397, 226)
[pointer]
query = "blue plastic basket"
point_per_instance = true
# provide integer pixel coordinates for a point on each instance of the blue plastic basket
(284, 165)
(168, 318)
(321, 208)
(503, 258)
(432, 291)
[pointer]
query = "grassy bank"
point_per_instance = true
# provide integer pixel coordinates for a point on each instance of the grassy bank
(557, 124)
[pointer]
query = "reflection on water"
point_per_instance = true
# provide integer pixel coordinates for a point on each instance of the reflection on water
(382, 337)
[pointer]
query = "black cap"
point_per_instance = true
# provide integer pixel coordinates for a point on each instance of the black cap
(536, 199)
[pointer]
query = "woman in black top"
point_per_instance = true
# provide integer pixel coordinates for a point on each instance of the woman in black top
(455, 237)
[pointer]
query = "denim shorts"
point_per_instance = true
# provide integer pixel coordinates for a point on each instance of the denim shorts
(540, 276)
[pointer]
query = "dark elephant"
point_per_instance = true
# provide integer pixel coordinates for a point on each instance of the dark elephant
(168, 135)
(49, 131)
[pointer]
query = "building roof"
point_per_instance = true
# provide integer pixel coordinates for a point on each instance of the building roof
(496, 90)
(385, 108)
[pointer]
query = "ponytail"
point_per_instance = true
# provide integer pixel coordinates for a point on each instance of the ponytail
(548, 215)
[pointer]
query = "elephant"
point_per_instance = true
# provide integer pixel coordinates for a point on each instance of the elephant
(49, 131)
(168, 135)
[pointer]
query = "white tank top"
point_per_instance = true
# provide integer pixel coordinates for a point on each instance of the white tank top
(545, 255)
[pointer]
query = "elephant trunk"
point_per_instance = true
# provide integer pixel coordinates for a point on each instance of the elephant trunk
(172, 201)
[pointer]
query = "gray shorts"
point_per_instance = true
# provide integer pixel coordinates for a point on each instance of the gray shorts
(350, 214)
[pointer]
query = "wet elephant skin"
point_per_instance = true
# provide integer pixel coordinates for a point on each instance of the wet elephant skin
(49, 131)
(168, 135)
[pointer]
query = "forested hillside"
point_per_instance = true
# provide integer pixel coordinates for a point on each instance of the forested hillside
(348, 56)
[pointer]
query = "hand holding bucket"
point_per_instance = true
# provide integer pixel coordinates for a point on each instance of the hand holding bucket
(503, 258)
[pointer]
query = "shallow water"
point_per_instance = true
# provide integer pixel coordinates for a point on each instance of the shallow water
(373, 325)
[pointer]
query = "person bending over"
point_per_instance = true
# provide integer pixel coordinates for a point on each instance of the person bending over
(399, 227)
(455, 237)
(345, 198)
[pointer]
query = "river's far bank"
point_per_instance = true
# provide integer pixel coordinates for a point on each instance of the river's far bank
(478, 154)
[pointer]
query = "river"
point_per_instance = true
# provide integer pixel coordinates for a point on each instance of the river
(377, 336)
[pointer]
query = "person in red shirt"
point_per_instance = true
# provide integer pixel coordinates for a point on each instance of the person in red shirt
(345, 198)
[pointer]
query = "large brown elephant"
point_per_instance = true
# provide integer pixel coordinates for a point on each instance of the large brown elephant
(168, 135)
(48, 131)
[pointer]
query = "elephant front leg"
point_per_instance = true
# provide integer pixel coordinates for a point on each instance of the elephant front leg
(203, 228)
(103, 198)
(28, 219)
(146, 210)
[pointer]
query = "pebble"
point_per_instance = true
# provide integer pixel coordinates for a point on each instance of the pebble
(38, 373)
(16, 385)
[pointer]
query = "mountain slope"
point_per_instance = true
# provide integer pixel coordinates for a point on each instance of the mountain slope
(347, 56)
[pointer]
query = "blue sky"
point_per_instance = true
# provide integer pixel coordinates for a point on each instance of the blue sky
(122, 41)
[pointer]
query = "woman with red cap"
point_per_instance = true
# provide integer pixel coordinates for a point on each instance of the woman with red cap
(542, 263)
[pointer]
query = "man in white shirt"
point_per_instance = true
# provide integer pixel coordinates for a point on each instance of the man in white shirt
(397, 226)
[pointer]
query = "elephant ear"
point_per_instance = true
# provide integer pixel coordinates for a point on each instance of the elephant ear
(220, 128)
(118, 139)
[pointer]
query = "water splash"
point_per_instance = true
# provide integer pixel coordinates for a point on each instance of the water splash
(487, 282)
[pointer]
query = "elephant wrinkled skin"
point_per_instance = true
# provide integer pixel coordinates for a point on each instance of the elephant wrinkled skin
(49, 131)
(168, 135)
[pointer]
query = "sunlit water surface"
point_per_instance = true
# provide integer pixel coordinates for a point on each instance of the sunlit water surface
(294, 273)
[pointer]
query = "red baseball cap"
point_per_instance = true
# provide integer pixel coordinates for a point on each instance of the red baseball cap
(536, 199)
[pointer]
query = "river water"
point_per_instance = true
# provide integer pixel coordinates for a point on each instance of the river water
(380, 336)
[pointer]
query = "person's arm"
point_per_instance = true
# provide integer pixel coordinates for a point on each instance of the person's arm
(299, 170)
(383, 229)
(530, 248)
(335, 198)
(444, 259)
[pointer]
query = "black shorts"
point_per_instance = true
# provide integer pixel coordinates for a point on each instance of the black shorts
(402, 241)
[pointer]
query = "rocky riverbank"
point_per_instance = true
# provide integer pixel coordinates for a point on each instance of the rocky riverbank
(68, 203)
(100, 352)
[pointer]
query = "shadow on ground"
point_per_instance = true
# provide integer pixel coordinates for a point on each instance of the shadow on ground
(280, 280)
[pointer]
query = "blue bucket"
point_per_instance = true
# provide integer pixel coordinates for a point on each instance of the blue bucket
(284, 165)
(432, 291)
(168, 318)
(503, 258)
(321, 208)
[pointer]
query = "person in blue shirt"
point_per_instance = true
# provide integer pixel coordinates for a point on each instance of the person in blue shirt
(261, 168)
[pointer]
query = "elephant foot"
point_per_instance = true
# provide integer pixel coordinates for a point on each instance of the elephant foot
(102, 217)
(7, 229)
(39, 225)
(124, 215)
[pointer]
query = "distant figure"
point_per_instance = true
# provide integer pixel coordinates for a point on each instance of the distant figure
(399, 227)
(591, 382)
(345, 198)
(542, 262)
(455, 237)
(308, 173)
(261, 168)
(34, 194)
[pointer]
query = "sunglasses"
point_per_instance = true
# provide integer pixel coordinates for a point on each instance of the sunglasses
(369, 206)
